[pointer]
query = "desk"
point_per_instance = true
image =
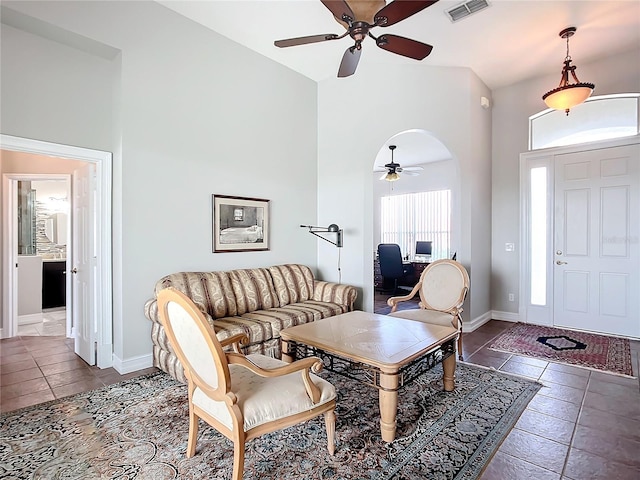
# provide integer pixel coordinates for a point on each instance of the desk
(418, 268)
(418, 264)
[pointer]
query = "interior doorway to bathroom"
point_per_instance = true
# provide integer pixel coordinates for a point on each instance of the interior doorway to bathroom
(89, 265)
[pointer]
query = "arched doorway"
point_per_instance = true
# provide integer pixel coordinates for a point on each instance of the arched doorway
(421, 203)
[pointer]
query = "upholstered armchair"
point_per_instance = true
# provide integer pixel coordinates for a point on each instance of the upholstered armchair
(443, 287)
(240, 396)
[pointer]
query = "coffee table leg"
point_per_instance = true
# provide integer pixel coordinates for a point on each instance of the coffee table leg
(287, 355)
(449, 373)
(388, 406)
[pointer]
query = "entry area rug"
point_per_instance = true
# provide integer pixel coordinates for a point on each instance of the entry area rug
(138, 430)
(588, 350)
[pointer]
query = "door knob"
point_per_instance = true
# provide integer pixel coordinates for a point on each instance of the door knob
(560, 262)
(74, 270)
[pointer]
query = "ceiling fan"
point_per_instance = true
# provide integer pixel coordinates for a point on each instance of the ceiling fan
(393, 169)
(358, 17)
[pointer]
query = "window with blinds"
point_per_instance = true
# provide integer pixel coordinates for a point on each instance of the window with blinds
(418, 216)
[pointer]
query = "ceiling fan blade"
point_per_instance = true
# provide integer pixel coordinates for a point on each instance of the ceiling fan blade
(410, 173)
(339, 8)
(384, 175)
(404, 46)
(349, 62)
(412, 169)
(399, 10)
(292, 42)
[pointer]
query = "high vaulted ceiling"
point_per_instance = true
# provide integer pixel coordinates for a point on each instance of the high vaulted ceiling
(509, 41)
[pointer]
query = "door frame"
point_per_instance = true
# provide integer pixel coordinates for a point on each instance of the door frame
(103, 214)
(543, 314)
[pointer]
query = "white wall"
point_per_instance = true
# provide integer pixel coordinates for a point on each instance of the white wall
(53, 92)
(512, 108)
(192, 114)
(357, 115)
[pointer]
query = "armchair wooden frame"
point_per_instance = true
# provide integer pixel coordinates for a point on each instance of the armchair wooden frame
(222, 391)
(431, 300)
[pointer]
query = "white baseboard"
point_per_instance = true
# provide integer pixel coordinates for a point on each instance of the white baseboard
(104, 356)
(30, 319)
(476, 323)
(132, 364)
(468, 327)
(505, 316)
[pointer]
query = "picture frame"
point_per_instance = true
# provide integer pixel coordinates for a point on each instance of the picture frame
(240, 224)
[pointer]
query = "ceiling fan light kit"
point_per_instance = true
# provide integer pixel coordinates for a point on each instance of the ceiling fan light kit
(358, 28)
(394, 169)
(568, 95)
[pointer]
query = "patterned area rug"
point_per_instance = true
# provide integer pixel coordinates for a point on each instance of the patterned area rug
(588, 350)
(138, 429)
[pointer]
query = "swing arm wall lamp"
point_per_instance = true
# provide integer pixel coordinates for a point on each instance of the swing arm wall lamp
(333, 228)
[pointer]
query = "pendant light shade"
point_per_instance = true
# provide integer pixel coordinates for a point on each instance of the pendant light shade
(568, 95)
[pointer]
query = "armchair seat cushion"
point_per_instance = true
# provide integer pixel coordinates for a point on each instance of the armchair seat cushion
(263, 399)
(434, 317)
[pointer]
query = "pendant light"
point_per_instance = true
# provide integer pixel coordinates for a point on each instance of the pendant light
(568, 95)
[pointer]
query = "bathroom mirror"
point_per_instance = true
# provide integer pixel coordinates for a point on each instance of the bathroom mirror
(26, 219)
(55, 228)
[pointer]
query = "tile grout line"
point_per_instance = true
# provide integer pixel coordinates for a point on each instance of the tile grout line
(575, 427)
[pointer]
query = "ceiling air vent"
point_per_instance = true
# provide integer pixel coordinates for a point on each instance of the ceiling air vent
(465, 9)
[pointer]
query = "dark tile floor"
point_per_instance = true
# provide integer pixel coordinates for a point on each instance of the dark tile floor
(35, 369)
(582, 425)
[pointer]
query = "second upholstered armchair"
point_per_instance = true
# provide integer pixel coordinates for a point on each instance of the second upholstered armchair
(443, 287)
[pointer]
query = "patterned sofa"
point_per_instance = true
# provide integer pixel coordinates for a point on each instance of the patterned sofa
(258, 302)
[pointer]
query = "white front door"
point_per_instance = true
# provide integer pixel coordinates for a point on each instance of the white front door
(83, 264)
(596, 257)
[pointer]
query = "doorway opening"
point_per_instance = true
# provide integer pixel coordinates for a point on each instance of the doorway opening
(420, 203)
(90, 290)
(44, 252)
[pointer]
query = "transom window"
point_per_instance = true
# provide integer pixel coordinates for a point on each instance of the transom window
(599, 118)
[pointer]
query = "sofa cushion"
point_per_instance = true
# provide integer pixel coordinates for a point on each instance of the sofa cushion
(294, 314)
(293, 283)
(253, 289)
(210, 291)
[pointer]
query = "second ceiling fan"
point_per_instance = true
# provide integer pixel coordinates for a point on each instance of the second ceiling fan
(393, 169)
(358, 17)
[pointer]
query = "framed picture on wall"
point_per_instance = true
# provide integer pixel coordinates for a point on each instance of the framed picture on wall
(240, 224)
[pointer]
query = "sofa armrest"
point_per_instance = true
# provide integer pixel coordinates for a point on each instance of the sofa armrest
(336, 293)
(151, 310)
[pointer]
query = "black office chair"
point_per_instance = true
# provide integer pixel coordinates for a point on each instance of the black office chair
(391, 265)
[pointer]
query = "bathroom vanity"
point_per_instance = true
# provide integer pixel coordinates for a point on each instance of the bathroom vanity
(54, 283)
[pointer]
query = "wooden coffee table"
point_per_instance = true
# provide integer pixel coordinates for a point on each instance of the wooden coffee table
(386, 352)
